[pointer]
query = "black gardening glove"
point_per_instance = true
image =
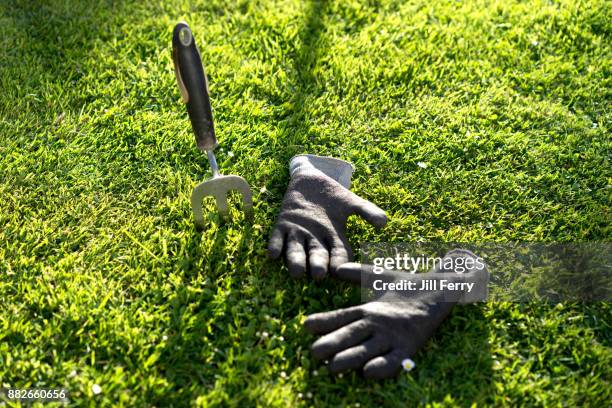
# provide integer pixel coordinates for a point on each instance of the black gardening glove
(380, 337)
(311, 226)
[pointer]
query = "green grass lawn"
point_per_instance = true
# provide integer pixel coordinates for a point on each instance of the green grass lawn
(104, 280)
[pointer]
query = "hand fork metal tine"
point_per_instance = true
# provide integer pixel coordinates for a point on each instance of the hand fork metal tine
(218, 187)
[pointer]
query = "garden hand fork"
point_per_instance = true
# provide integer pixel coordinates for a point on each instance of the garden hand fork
(193, 85)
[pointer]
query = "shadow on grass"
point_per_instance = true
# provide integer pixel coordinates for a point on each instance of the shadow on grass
(206, 327)
(294, 122)
(53, 43)
(461, 362)
(458, 361)
(182, 369)
(188, 358)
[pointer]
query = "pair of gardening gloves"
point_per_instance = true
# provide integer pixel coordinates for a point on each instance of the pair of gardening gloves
(379, 337)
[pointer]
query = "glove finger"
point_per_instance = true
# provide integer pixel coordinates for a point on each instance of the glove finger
(355, 357)
(318, 259)
(385, 366)
(369, 211)
(341, 253)
(351, 271)
(341, 339)
(364, 273)
(276, 242)
(325, 322)
(296, 256)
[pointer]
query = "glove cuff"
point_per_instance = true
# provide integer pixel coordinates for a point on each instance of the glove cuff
(339, 170)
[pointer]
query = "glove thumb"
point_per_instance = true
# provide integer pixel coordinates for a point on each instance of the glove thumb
(369, 212)
(350, 272)
(364, 273)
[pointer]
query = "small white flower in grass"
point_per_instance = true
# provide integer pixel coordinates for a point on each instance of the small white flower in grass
(309, 394)
(422, 165)
(315, 373)
(96, 389)
(408, 364)
(281, 338)
(230, 154)
(263, 190)
(340, 375)
(164, 337)
(283, 374)
(535, 43)
(300, 395)
(73, 373)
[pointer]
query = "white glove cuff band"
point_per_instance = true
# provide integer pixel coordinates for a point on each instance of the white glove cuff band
(339, 170)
